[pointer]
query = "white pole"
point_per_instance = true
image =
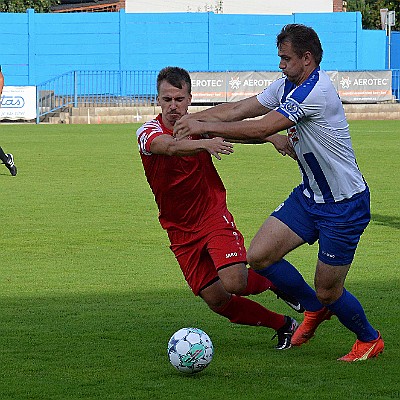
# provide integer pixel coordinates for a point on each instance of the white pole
(389, 44)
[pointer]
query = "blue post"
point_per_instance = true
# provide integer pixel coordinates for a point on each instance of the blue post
(358, 38)
(31, 46)
(122, 50)
(122, 40)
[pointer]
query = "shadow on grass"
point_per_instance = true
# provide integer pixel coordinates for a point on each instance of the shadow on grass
(100, 346)
(391, 221)
(113, 346)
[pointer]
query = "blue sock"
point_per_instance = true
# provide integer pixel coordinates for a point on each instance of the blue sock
(351, 314)
(286, 277)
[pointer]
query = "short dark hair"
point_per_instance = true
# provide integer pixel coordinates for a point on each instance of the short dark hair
(175, 76)
(302, 38)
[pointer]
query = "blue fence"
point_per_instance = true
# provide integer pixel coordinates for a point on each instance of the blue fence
(96, 88)
(111, 89)
(36, 47)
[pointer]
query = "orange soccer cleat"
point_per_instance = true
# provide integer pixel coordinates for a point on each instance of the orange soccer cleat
(361, 351)
(312, 319)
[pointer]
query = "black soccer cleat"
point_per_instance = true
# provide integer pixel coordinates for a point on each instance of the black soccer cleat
(10, 165)
(291, 301)
(285, 334)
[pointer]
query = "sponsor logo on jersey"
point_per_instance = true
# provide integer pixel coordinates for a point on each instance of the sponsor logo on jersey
(291, 106)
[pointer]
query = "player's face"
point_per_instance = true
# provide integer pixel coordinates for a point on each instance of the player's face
(174, 102)
(291, 64)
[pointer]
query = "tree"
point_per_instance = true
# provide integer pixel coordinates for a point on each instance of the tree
(370, 10)
(20, 6)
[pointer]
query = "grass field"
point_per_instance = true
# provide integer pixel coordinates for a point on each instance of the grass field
(90, 292)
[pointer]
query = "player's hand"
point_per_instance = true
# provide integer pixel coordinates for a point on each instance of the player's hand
(188, 126)
(283, 145)
(217, 146)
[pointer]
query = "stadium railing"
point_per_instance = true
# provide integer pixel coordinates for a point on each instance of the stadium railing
(112, 89)
(94, 89)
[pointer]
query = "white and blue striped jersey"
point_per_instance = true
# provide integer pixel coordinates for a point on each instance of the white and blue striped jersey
(320, 137)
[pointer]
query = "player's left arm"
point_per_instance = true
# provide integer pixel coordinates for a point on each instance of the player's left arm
(168, 145)
(282, 145)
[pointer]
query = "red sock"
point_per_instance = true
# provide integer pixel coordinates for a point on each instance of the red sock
(241, 310)
(256, 283)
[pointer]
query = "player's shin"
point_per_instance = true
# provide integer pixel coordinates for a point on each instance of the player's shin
(287, 278)
(256, 283)
(351, 314)
(241, 310)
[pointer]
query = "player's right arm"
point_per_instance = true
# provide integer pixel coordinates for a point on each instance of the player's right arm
(238, 111)
(229, 112)
(168, 145)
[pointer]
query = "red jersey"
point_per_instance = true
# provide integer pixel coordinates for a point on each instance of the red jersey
(187, 190)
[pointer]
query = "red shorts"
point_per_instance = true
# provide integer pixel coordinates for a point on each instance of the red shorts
(201, 254)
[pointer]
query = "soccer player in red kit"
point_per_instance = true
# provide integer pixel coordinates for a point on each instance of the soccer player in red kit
(191, 199)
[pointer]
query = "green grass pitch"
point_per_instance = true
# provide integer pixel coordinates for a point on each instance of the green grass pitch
(90, 292)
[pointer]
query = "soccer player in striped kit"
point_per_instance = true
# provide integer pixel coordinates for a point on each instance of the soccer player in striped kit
(331, 205)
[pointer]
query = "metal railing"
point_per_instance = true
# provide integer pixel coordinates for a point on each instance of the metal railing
(112, 89)
(96, 88)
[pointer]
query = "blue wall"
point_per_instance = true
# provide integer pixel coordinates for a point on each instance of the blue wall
(152, 41)
(37, 47)
(395, 50)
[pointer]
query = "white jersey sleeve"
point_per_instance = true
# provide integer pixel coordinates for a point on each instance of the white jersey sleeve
(269, 98)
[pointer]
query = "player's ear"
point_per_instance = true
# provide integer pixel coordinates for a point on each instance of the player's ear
(158, 100)
(190, 99)
(308, 58)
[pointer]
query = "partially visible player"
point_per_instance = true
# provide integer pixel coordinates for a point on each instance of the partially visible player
(7, 159)
(191, 199)
(331, 205)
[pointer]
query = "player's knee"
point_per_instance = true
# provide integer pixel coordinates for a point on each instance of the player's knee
(234, 278)
(235, 285)
(258, 261)
(327, 296)
(216, 304)
(215, 296)
(252, 259)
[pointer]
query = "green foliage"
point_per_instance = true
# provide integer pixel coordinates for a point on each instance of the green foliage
(90, 292)
(370, 10)
(20, 6)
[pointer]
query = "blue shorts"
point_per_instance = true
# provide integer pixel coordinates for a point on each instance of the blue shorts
(337, 226)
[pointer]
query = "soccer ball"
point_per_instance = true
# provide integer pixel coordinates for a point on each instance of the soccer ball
(190, 350)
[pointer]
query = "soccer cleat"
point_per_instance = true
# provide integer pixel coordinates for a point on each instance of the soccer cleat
(311, 321)
(289, 300)
(10, 165)
(361, 351)
(285, 334)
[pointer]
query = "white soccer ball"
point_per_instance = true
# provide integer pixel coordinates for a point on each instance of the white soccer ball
(190, 350)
